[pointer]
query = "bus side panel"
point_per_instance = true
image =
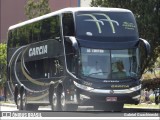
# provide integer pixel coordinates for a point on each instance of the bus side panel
(34, 67)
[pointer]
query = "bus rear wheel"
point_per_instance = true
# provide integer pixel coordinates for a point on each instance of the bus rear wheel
(54, 101)
(63, 106)
(21, 98)
(23, 101)
(19, 102)
(25, 105)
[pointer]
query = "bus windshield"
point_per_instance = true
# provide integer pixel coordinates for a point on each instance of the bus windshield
(109, 64)
(105, 24)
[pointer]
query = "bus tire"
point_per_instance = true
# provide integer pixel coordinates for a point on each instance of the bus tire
(63, 105)
(54, 100)
(19, 102)
(62, 100)
(24, 105)
(16, 93)
(23, 101)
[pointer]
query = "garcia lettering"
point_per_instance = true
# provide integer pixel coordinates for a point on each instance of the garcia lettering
(41, 50)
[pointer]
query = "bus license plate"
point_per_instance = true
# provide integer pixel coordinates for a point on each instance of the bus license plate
(111, 99)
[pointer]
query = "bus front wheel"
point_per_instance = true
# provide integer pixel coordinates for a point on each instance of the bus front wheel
(64, 106)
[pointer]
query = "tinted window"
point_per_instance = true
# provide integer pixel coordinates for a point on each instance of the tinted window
(44, 68)
(105, 24)
(38, 31)
(50, 28)
(68, 24)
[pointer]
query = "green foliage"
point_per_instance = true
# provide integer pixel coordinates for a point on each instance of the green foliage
(147, 14)
(29, 33)
(152, 99)
(3, 49)
(35, 8)
(157, 63)
(3, 63)
(151, 84)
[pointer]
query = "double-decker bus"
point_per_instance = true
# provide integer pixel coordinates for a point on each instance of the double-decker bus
(76, 56)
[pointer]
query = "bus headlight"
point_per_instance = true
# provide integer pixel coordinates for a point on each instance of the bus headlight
(83, 87)
(136, 97)
(135, 88)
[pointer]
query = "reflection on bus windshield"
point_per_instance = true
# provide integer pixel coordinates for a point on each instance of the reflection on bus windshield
(104, 24)
(106, 64)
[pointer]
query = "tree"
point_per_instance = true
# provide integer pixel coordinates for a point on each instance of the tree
(157, 63)
(3, 63)
(147, 14)
(35, 8)
(157, 68)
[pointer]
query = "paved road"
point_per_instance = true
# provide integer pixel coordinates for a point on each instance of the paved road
(12, 107)
(83, 111)
(41, 108)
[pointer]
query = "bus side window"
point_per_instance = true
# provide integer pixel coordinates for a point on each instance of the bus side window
(52, 67)
(53, 70)
(50, 28)
(70, 59)
(68, 24)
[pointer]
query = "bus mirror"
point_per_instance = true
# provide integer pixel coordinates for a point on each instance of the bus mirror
(146, 45)
(74, 45)
(58, 39)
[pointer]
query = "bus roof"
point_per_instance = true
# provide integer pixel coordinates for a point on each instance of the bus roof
(72, 9)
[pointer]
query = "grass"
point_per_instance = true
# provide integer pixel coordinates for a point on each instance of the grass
(148, 75)
(7, 102)
(151, 75)
(149, 105)
(143, 105)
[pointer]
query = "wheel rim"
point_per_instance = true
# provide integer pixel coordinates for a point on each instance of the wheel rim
(54, 101)
(63, 101)
(24, 101)
(18, 102)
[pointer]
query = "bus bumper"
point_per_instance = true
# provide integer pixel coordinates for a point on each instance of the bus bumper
(126, 96)
(126, 99)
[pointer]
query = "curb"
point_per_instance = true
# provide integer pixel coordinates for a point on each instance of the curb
(8, 104)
